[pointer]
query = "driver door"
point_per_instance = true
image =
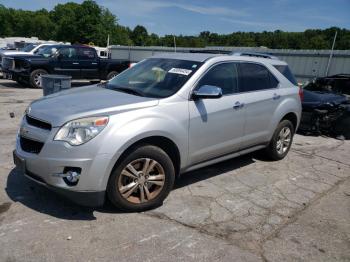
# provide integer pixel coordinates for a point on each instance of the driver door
(68, 62)
(217, 125)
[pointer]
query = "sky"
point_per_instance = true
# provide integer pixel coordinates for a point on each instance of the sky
(190, 17)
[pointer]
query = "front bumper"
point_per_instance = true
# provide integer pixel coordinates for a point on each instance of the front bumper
(16, 75)
(84, 198)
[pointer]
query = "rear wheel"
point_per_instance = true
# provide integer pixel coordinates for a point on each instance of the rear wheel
(35, 77)
(142, 180)
(281, 141)
(112, 74)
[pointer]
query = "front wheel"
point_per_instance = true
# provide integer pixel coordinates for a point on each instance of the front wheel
(142, 180)
(281, 141)
(35, 77)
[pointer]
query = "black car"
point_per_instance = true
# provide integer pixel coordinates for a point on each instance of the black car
(338, 84)
(79, 62)
(325, 113)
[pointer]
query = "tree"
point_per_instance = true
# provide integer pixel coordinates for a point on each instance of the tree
(139, 35)
(90, 23)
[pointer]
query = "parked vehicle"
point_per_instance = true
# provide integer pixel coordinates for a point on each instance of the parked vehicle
(80, 62)
(337, 84)
(130, 137)
(30, 49)
(325, 113)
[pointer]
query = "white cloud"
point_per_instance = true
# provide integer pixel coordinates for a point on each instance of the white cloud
(145, 8)
(268, 26)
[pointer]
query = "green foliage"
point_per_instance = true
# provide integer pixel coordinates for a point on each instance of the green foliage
(90, 23)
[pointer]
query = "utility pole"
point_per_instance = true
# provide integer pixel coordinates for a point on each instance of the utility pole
(331, 54)
(174, 44)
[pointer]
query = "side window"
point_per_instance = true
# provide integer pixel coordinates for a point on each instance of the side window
(224, 76)
(284, 70)
(254, 77)
(68, 53)
(40, 49)
(87, 53)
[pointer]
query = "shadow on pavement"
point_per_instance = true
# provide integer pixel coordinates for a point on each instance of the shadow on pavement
(213, 170)
(23, 190)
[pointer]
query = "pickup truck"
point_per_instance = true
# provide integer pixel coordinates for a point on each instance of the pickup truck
(30, 49)
(79, 62)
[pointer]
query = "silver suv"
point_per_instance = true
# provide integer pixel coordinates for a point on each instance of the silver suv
(129, 138)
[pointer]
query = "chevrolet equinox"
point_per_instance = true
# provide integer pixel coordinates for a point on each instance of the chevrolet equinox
(129, 138)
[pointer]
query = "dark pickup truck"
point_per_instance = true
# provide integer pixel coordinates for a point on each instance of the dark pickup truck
(80, 62)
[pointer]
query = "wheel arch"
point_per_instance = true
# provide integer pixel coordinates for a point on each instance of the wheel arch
(164, 143)
(293, 118)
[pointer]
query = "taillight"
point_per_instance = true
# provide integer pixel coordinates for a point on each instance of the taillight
(301, 94)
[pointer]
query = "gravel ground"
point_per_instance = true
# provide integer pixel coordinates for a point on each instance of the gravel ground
(244, 209)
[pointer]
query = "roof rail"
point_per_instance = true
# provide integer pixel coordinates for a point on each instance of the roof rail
(255, 54)
(210, 51)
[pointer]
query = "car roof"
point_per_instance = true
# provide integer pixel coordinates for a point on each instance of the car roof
(76, 46)
(197, 57)
(202, 57)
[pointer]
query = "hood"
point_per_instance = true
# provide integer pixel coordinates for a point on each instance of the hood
(317, 99)
(10, 53)
(30, 57)
(79, 102)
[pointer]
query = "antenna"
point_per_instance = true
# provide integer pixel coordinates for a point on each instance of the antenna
(331, 54)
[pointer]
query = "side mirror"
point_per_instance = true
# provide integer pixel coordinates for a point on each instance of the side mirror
(207, 91)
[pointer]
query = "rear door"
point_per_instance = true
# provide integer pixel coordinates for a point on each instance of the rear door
(68, 62)
(89, 63)
(262, 96)
(216, 125)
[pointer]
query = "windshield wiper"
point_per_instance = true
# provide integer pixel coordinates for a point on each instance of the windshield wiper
(129, 91)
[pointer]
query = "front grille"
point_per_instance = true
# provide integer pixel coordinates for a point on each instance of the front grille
(30, 146)
(7, 63)
(38, 123)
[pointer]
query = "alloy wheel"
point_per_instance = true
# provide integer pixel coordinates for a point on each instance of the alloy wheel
(284, 139)
(37, 79)
(141, 180)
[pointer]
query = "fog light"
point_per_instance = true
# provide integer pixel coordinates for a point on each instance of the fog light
(72, 176)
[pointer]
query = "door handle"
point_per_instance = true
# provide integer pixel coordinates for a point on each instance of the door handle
(94, 63)
(238, 105)
(275, 96)
(74, 63)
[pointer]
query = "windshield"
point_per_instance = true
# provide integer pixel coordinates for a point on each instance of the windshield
(47, 51)
(28, 48)
(155, 77)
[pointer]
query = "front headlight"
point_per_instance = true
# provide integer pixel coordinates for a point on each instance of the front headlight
(79, 131)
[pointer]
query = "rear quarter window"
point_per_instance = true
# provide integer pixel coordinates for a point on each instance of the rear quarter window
(284, 70)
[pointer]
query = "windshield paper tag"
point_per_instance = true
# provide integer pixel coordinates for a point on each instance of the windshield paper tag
(180, 71)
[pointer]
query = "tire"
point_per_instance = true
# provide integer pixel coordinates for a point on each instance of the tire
(277, 150)
(342, 127)
(112, 74)
(34, 77)
(155, 188)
